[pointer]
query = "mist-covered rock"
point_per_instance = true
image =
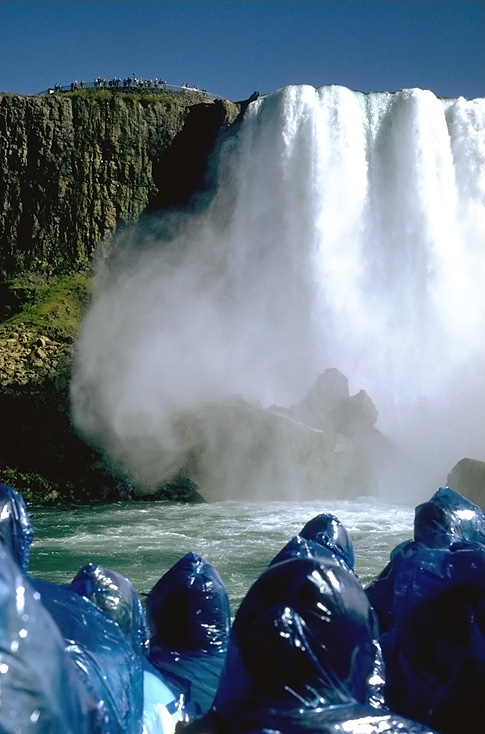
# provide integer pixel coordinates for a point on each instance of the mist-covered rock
(326, 446)
(467, 476)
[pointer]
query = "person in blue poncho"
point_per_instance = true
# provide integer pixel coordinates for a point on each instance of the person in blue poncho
(324, 535)
(300, 658)
(105, 661)
(16, 529)
(435, 651)
(431, 604)
(189, 616)
(447, 518)
(99, 652)
(330, 532)
(115, 595)
(40, 689)
(326, 538)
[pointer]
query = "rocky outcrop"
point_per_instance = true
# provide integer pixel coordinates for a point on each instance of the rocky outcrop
(40, 453)
(27, 357)
(325, 447)
(468, 478)
(329, 406)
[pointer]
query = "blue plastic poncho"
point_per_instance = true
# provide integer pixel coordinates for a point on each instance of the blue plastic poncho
(16, 529)
(326, 539)
(115, 595)
(447, 518)
(329, 531)
(110, 669)
(40, 689)
(299, 547)
(435, 652)
(189, 615)
(301, 657)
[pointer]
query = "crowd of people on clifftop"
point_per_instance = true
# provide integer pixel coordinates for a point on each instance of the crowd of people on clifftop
(128, 82)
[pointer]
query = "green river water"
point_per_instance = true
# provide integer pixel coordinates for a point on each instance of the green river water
(143, 540)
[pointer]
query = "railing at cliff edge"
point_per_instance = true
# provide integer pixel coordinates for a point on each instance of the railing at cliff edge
(137, 87)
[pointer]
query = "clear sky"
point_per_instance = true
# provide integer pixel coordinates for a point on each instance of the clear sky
(233, 48)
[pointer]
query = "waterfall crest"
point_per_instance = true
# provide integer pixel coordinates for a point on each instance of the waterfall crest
(346, 231)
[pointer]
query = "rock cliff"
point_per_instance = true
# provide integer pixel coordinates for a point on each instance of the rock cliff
(73, 168)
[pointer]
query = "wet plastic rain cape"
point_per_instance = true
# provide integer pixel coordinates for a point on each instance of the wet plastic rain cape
(301, 656)
(435, 651)
(115, 595)
(189, 615)
(16, 529)
(40, 689)
(446, 518)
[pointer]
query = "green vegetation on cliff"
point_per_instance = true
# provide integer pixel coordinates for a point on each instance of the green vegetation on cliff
(54, 309)
(40, 454)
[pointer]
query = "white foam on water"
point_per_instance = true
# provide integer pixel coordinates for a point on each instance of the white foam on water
(238, 538)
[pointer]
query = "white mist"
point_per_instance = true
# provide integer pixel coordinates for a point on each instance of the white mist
(347, 231)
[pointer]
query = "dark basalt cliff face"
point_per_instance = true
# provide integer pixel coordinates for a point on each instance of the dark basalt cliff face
(73, 168)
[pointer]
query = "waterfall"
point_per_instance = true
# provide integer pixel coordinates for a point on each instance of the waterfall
(346, 230)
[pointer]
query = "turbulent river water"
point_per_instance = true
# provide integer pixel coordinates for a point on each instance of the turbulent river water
(143, 540)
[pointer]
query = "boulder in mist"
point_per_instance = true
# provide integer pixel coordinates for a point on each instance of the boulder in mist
(326, 446)
(468, 478)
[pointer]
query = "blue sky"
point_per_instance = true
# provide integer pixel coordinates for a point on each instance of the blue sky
(234, 48)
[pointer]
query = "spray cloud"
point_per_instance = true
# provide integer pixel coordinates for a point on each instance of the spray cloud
(346, 232)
